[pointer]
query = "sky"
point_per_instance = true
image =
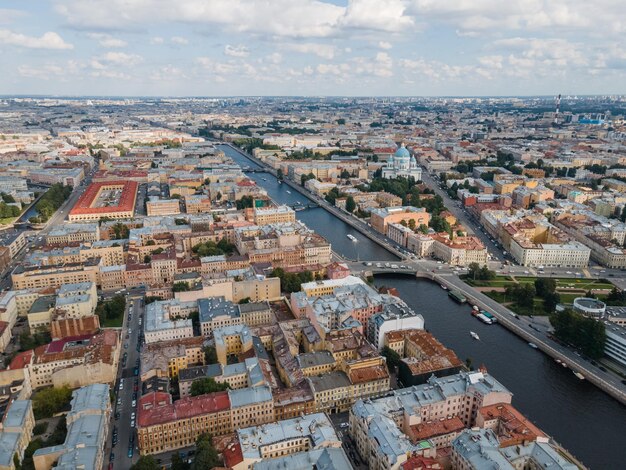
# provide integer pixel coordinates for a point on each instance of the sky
(312, 47)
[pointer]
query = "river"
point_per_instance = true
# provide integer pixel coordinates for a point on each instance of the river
(318, 219)
(585, 420)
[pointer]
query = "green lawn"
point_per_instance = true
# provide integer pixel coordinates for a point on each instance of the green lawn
(577, 286)
(7, 220)
(112, 322)
(505, 281)
(521, 310)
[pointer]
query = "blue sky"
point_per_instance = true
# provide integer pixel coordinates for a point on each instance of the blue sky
(312, 47)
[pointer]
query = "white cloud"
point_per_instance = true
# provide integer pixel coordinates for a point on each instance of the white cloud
(179, 41)
(236, 51)
(106, 40)
(388, 15)
(120, 58)
(385, 45)
(274, 58)
(44, 72)
(8, 15)
(548, 15)
(155, 41)
(325, 51)
(276, 18)
(49, 40)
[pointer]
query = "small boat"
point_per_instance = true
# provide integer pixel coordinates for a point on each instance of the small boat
(532, 345)
(280, 181)
(563, 364)
(351, 237)
(457, 296)
(264, 179)
(474, 335)
(489, 316)
(444, 287)
(288, 192)
(475, 308)
(299, 208)
(579, 375)
(484, 319)
(558, 361)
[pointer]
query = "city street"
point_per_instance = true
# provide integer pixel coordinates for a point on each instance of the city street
(456, 208)
(122, 420)
(38, 237)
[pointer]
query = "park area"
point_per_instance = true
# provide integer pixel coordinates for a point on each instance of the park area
(539, 296)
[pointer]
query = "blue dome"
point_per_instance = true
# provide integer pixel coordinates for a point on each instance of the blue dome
(402, 153)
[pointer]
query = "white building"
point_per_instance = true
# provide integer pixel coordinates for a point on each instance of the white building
(395, 316)
(168, 320)
(402, 164)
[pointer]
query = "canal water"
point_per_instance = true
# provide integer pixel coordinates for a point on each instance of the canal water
(321, 221)
(582, 418)
(575, 413)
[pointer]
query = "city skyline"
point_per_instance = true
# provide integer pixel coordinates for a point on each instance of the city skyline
(320, 48)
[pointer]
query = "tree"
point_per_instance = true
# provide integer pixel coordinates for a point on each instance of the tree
(207, 385)
(412, 224)
(305, 178)
(210, 355)
(178, 463)
(48, 401)
(345, 174)
(279, 174)
(423, 228)
(245, 300)
(350, 204)
(146, 462)
(545, 286)
(244, 202)
(587, 334)
(550, 301)
(180, 287)
(392, 358)
(206, 455)
(622, 217)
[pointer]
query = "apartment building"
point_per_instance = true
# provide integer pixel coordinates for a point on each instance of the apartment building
(163, 425)
(217, 312)
(251, 406)
(87, 431)
(16, 431)
(74, 361)
(423, 356)
(380, 218)
(239, 375)
(481, 448)
(36, 277)
(273, 440)
(394, 317)
(71, 233)
(168, 320)
(459, 251)
(380, 427)
(170, 358)
(195, 204)
(14, 241)
(158, 207)
(273, 215)
(231, 340)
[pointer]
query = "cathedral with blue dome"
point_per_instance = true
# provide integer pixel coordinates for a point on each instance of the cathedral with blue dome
(402, 163)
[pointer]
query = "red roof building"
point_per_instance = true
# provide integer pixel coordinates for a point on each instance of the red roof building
(164, 426)
(86, 208)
